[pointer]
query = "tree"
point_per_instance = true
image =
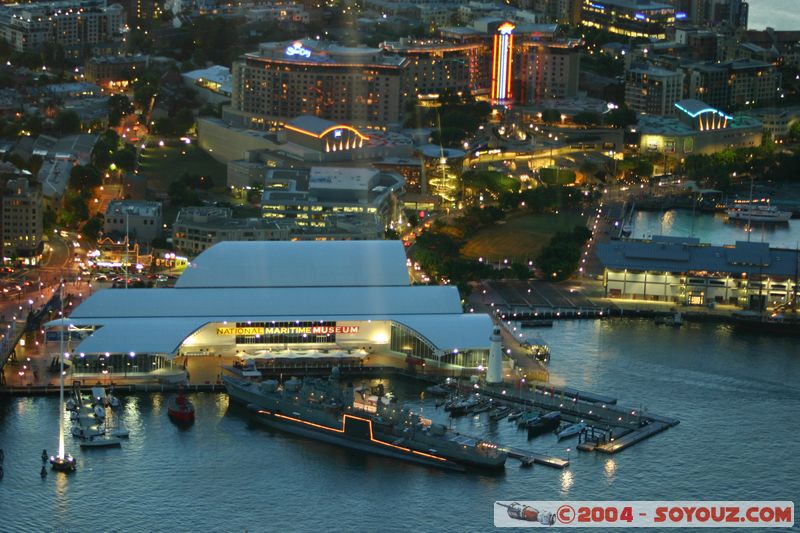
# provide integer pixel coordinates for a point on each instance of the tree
(184, 120)
(560, 258)
(587, 118)
(85, 177)
(126, 158)
(103, 153)
(32, 123)
(146, 87)
(67, 122)
(75, 210)
(138, 41)
(411, 217)
(93, 226)
(551, 116)
(181, 194)
(448, 137)
(621, 117)
(520, 271)
(119, 106)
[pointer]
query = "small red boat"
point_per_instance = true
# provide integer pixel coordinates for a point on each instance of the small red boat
(180, 409)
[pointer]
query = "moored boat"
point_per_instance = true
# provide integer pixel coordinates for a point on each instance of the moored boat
(463, 406)
(777, 324)
(85, 433)
(514, 415)
(100, 441)
(674, 320)
(571, 430)
(500, 412)
(180, 409)
(527, 417)
(757, 212)
(437, 390)
(321, 410)
(482, 407)
(536, 323)
(543, 424)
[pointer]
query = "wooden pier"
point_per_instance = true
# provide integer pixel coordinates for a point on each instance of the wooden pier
(615, 445)
(621, 427)
(527, 458)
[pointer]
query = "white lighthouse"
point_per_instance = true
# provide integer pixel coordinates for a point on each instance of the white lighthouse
(494, 373)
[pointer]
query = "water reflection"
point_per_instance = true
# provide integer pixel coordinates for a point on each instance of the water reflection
(566, 481)
(221, 403)
(711, 228)
(610, 470)
(62, 507)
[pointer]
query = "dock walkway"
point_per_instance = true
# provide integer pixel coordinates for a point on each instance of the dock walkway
(624, 426)
(626, 441)
(527, 457)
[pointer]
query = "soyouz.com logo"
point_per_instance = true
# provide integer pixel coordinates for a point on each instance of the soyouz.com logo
(758, 514)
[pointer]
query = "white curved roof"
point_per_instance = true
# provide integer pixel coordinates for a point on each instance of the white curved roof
(447, 332)
(246, 303)
(121, 335)
(298, 264)
(279, 281)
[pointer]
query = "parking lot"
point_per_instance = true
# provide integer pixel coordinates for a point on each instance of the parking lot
(535, 294)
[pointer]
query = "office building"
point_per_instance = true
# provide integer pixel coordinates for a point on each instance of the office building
(23, 238)
(199, 228)
(732, 85)
(84, 29)
(653, 90)
(631, 18)
(139, 220)
(283, 80)
(358, 203)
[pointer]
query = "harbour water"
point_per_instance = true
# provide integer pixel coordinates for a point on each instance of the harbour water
(712, 228)
(737, 398)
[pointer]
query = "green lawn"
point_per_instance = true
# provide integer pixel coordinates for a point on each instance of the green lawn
(520, 238)
(163, 165)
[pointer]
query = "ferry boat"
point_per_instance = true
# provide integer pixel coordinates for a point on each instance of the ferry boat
(321, 410)
(757, 212)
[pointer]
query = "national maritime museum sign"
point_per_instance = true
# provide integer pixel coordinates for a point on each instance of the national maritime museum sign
(287, 330)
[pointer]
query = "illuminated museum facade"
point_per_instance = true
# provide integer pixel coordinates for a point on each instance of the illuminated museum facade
(285, 301)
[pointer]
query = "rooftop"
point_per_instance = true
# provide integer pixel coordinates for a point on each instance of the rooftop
(341, 178)
(687, 254)
(312, 124)
(655, 125)
(215, 73)
(299, 264)
(693, 108)
(54, 176)
(324, 52)
(139, 208)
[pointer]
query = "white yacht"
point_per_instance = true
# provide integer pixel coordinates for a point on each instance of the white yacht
(757, 212)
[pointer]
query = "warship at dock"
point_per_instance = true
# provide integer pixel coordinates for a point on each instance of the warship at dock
(322, 410)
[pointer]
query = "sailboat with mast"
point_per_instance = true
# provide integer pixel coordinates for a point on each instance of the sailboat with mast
(62, 462)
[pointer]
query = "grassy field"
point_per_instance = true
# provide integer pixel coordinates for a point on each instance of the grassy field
(521, 238)
(163, 165)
